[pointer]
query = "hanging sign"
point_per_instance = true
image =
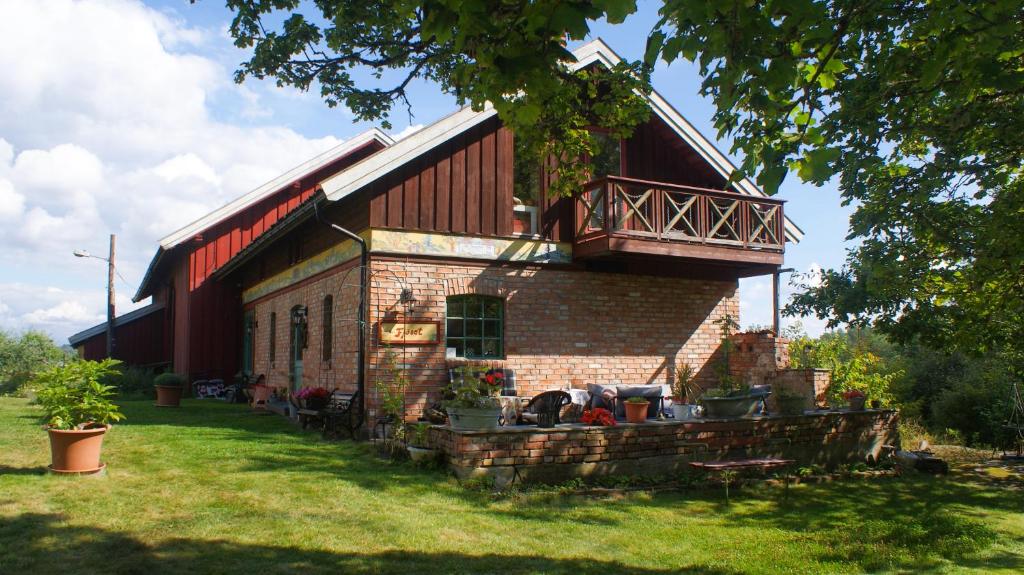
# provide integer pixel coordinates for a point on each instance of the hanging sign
(410, 332)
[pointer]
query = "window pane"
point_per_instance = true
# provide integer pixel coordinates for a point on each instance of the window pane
(455, 307)
(491, 348)
(474, 326)
(492, 328)
(606, 160)
(526, 177)
(455, 328)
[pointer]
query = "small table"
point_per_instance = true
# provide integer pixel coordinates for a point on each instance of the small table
(762, 463)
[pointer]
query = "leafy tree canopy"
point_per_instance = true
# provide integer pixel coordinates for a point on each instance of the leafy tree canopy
(916, 107)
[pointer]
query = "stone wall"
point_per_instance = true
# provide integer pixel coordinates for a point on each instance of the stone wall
(758, 356)
(551, 455)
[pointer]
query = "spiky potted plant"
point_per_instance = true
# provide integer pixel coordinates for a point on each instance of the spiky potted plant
(685, 393)
(77, 413)
(419, 442)
(169, 387)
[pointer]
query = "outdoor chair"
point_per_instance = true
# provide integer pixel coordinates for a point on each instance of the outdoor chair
(545, 409)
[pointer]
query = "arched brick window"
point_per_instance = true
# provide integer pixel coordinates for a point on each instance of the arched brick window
(327, 329)
(476, 326)
(272, 339)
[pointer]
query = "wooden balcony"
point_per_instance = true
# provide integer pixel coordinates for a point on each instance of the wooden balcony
(622, 217)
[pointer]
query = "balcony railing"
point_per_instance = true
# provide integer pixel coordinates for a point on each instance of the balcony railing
(638, 209)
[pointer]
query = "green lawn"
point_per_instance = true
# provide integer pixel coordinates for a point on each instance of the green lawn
(212, 488)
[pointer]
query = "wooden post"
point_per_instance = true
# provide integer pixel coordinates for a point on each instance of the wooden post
(776, 312)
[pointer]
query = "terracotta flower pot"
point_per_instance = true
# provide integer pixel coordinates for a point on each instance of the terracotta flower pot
(168, 395)
(636, 412)
(76, 450)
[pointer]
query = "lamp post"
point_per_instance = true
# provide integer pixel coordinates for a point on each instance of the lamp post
(110, 290)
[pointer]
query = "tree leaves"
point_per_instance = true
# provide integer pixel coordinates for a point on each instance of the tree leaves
(912, 106)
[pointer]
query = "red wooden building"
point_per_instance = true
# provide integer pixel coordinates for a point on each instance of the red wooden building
(193, 325)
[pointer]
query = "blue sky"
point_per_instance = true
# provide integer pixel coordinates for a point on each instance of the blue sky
(124, 119)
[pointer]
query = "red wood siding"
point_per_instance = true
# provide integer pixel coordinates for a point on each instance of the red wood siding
(462, 186)
(142, 342)
(212, 317)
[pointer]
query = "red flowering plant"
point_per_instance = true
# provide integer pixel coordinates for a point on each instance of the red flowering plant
(598, 416)
(314, 397)
(853, 394)
(313, 393)
(474, 386)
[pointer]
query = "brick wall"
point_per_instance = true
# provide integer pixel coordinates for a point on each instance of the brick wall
(342, 283)
(561, 326)
(551, 455)
(758, 356)
(812, 383)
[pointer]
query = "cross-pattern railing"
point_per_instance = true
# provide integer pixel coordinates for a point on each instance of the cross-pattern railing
(669, 212)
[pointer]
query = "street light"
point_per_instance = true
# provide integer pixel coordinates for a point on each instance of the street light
(110, 290)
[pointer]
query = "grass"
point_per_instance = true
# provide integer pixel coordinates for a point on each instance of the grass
(212, 488)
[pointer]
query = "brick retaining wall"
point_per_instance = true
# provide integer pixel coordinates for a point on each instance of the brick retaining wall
(532, 454)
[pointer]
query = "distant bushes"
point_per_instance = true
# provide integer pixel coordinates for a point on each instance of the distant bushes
(133, 382)
(956, 398)
(22, 356)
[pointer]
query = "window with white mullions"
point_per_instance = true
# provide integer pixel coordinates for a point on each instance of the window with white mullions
(475, 326)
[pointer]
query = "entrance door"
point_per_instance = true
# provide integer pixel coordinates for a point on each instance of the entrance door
(248, 337)
(298, 344)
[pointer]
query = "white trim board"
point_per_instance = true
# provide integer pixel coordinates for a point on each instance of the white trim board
(340, 185)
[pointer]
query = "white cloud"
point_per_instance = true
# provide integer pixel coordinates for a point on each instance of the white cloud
(407, 131)
(109, 124)
(62, 313)
(12, 204)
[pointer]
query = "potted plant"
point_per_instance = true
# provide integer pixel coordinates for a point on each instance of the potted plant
(77, 413)
(419, 443)
(685, 393)
(599, 417)
(636, 409)
(790, 402)
(730, 398)
(854, 399)
(471, 398)
(169, 387)
(315, 398)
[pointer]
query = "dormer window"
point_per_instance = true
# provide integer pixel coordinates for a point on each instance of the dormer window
(607, 157)
(526, 187)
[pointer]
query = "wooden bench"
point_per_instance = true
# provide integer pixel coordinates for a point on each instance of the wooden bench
(761, 463)
(344, 410)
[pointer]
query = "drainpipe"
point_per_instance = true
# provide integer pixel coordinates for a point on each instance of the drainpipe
(364, 257)
(776, 308)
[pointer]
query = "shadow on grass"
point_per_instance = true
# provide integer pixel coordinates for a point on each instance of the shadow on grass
(8, 470)
(45, 543)
(910, 522)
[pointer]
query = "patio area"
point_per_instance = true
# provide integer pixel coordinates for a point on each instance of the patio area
(528, 453)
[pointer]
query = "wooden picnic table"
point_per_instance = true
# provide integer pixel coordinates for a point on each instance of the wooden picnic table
(761, 463)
